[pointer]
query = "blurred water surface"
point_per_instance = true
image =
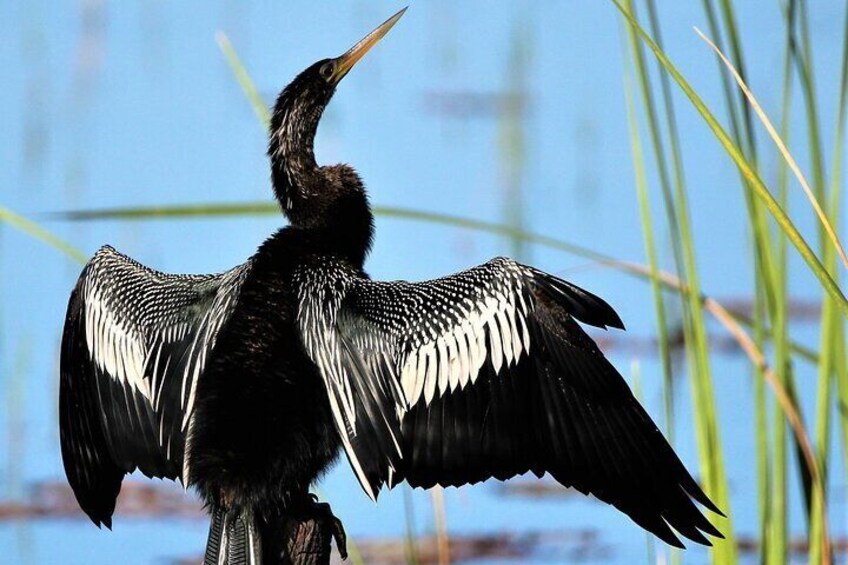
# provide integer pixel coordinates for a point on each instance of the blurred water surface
(494, 110)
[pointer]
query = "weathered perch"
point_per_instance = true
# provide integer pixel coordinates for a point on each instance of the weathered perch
(307, 541)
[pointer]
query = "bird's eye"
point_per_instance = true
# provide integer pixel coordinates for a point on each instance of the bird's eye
(327, 70)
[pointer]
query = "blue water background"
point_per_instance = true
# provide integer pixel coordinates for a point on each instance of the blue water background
(132, 103)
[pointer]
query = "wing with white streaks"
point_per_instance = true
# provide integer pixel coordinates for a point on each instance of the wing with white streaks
(134, 347)
(486, 373)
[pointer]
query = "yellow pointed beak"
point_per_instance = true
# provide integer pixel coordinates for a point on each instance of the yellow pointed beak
(355, 53)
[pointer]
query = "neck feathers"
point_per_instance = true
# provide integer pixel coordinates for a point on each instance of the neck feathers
(328, 203)
(293, 166)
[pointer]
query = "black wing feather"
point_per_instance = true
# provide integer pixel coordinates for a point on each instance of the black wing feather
(88, 465)
(544, 398)
(133, 344)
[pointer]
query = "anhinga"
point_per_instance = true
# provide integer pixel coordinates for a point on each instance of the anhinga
(246, 384)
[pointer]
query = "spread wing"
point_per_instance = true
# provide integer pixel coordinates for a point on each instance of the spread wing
(483, 374)
(134, 346)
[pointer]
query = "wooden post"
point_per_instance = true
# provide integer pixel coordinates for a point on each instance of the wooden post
(307, 540)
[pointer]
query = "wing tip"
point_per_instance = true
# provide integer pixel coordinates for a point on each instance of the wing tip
(99, 519)
(578, 302)
(614, 321)
(694, 490)
(712, 507)
(688, 519)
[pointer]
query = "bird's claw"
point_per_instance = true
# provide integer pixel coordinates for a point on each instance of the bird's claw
(338, 532)
(322, 511)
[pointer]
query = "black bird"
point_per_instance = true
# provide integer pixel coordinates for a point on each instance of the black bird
(247, 384)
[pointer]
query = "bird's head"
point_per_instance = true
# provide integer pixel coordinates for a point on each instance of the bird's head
(298, 181)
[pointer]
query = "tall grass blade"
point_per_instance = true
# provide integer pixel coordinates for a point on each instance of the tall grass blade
(442, 540)
(635, 380)
(770, 276)
(832, 365)
(651, 253)
(243, 78)
(767, 279)
(34, 230)
(638, 57)
(783, 395)
(745, 128)
(775, 528)
(410, 535)
(835, 190)
(750, 173)
(696, 345)
(819, 546)
(784, 151)
(176, 211)
(657, 145)
(804, 63)
(512, 136)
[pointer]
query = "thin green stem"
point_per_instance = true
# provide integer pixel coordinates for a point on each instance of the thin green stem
(34, 230)
(651, 254)
(749, 172)
(243, 78)
(207, 211)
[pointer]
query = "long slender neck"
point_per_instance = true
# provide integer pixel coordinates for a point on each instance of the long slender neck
(293, 166)
(328, 205)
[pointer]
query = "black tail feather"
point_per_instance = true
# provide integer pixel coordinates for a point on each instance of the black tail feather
(213, 543)
(233, 539)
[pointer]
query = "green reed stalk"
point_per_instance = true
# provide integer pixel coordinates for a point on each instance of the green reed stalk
(733, 151)
(773, 487)
(763, 272)
(835, 191)
(410, 535)
(832, 362)
(244, 80)
(697, 347)
(656, 289)
(767, 275)
(35, 231)
(648, 234)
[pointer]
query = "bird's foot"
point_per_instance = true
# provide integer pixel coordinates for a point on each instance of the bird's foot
(309, 510)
